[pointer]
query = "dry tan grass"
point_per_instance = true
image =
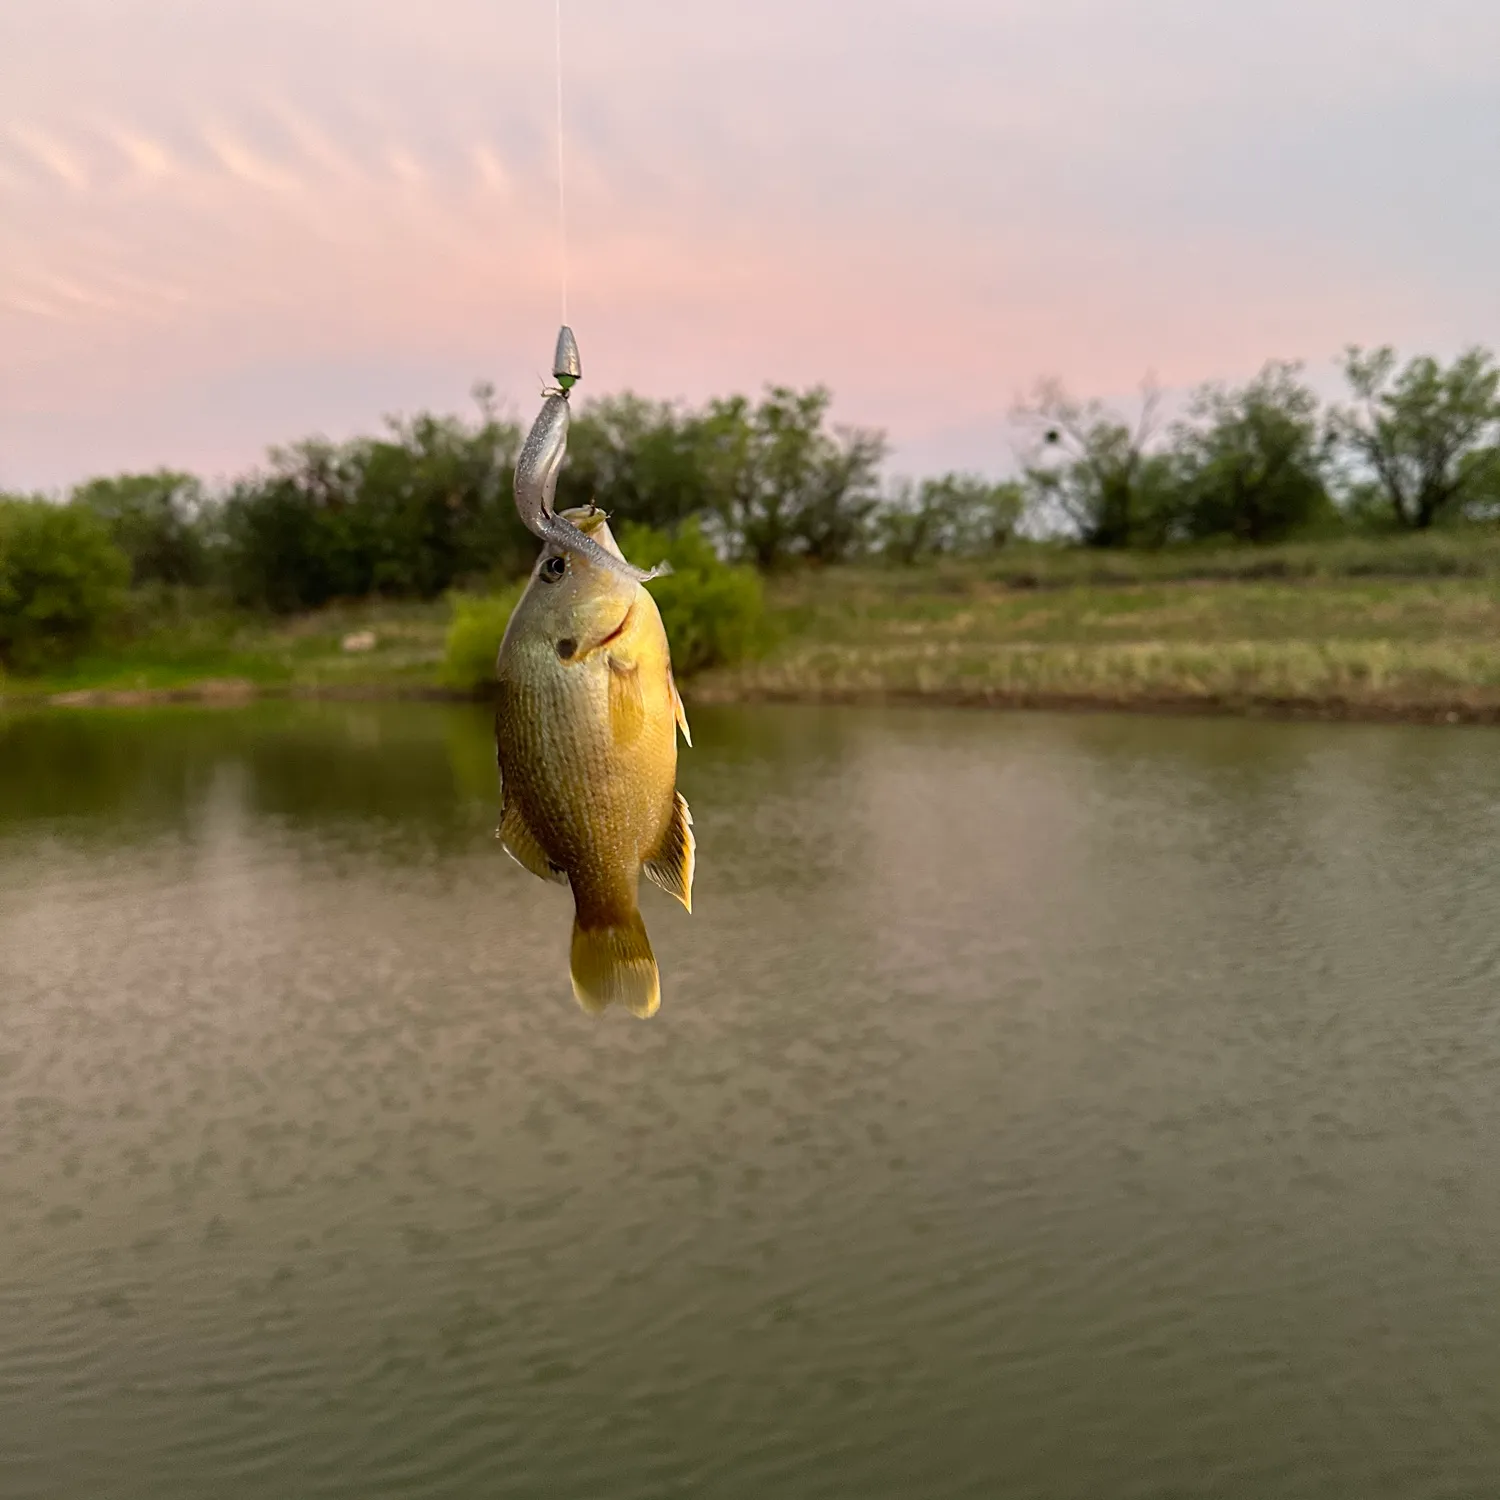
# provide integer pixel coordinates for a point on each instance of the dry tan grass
(1420, 647)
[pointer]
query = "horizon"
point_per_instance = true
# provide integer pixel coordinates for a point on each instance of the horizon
(207, 247)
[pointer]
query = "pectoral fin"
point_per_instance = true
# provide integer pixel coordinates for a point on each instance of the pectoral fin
(627, 705)
(522, 846)
(679, 711)
(671, 866)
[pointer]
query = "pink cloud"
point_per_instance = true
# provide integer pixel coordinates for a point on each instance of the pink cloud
(925, 209)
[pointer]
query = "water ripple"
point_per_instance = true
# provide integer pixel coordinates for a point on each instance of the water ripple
(1066, 1107)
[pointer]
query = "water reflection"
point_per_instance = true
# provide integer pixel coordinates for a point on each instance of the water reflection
(116, 775)
(1038, 1106)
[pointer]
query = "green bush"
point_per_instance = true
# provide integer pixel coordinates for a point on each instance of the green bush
(714, 612)
(61, 580)
(474, 638)
(159, 521)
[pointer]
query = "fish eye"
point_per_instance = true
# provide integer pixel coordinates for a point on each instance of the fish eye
(554, 568)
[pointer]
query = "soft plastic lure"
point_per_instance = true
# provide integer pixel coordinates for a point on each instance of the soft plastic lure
(541, 460)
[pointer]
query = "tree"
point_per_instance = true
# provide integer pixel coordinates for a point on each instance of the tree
(637, 457)
(1095, 471)
(1249, 465)
(292, 536)
(1481, 483)
(156, 520)
(435, 497)
(780, 484)
(409, 514)
(959, 514)
(1414, 432)
(833, 511)
(60, 580)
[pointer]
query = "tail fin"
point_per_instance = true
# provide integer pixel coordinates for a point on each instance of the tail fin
(615, 962)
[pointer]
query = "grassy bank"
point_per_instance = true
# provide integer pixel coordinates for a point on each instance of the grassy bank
(204, 651)
(1343, 646)
(1404, 628)
(1450, 552)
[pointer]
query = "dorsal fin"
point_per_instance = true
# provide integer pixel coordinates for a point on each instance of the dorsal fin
(671, 865)
(522, 846)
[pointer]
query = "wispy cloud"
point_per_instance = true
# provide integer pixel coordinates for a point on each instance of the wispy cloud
(30, 306)
(925, 205)
(315, 145)
(493, 175)
(52, 156)
(405, 167)
(69, 293)
(247, 165)
(147, 158)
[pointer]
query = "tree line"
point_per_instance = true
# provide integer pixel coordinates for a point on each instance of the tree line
(426, 505)
(1411, 446)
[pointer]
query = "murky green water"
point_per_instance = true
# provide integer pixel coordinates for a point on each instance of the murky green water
(1038, 1107)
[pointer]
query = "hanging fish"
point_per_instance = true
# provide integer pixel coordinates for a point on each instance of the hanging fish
(586, 741)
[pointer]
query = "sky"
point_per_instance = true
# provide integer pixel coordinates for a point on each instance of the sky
(231, 223)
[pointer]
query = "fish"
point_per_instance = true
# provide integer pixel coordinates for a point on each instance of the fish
(586, 723)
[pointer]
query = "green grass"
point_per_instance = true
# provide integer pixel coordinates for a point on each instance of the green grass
(1402, 626)
(1350, 644)
(1450, 552)
(228, 650)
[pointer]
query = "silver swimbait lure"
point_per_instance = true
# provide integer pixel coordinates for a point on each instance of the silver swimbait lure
(541, 461)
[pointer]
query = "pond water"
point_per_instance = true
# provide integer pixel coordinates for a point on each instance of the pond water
(1039, 1106)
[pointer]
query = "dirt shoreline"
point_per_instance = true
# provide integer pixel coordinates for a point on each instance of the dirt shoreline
(1185, 705)
(234, 692)
(226, 692)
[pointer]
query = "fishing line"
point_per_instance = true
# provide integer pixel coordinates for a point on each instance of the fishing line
(562, 207)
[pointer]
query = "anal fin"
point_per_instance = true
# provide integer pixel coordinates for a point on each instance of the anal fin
(522, 846)
(671, 866)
